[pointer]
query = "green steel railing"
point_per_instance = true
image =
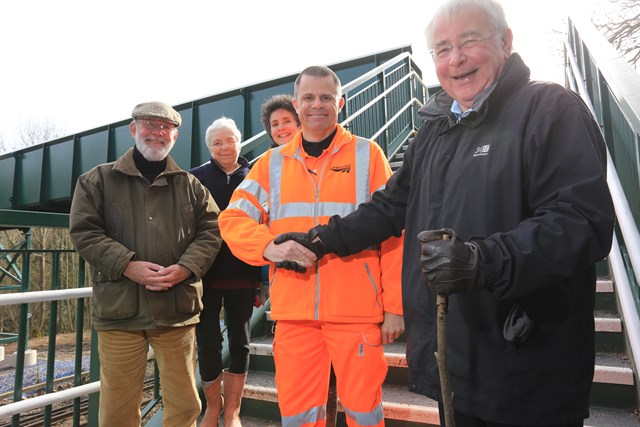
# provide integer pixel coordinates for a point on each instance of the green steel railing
(382, 105)
(609, 86)
(612, 86)
(26, 299)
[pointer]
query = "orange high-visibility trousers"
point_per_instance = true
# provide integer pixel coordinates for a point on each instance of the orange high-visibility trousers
(303, 353)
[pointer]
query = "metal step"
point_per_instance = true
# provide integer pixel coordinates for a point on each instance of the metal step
(399, 405)
(613, 376)
(612, 400)
(599, 417)
(605, 296)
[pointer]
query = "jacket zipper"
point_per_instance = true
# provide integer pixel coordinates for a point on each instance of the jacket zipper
(373, 282)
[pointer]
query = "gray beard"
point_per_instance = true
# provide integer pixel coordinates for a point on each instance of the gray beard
(152, 154)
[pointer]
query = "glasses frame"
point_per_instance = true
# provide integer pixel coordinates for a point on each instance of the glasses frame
(443, 53)
(157, 127)
(222, 144)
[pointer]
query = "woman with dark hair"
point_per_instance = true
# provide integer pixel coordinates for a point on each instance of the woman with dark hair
(279, 119)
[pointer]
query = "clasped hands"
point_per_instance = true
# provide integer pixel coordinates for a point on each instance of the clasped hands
(155, 277)
(448, 264)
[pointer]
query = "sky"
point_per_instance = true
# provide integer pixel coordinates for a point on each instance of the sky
(82, 64)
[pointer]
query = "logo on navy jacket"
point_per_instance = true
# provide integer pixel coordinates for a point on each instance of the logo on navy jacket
(482, 150)
(345, 168)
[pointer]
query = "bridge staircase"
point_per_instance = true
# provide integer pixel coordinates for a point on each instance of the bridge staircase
(383, 93)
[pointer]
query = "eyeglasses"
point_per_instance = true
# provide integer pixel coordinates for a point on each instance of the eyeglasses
(157, 127)
(442, 53)
(219, 144)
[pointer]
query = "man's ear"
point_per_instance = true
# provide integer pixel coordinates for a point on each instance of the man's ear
(341, 103)
(132, 129)
(507, 42)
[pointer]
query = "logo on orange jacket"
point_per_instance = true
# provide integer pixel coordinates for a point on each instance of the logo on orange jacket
(345, 168)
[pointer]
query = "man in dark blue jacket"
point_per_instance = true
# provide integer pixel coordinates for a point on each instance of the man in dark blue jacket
(514, 173)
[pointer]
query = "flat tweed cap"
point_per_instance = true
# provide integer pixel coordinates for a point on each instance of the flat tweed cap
(157, 111)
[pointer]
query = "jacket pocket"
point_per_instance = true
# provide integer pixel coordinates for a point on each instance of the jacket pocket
(189, 297)
(374, 284)
(114, 299)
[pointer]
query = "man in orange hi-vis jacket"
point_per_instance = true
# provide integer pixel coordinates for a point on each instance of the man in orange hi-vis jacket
(336, 311)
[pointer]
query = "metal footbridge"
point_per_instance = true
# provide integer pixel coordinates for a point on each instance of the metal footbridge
(383, 93)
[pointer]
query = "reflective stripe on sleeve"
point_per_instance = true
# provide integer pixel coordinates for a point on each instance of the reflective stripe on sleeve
(252, 186)
(248, 208)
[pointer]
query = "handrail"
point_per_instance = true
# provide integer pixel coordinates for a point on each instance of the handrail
(58, 396)
(44, 296)
(408, 105)
(624, 215)
(628, 229)
(615, 69)
(49, 399)
(347, 87)
(375, 100)
(626, 299)
(373, 72)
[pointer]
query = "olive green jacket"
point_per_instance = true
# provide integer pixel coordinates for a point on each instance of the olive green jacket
(117, 216)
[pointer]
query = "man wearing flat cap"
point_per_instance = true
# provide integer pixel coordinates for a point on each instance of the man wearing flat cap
(150, 231)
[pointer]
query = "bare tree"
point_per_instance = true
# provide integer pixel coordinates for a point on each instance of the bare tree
(31, 131)
(620, 24)
(34, 131)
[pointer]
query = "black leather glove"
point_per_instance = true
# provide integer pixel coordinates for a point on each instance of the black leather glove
(305, 239)
(450, 266)
(291, 265)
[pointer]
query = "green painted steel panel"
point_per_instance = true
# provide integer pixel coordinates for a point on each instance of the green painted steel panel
(93, 149)
(7, 172)
(58, 172)
(259, 96)
(122, 139)
(232, 108)
(182, 149)
(29, 178)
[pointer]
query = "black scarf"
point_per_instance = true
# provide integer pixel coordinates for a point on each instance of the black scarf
(150, 170)
(315, 149)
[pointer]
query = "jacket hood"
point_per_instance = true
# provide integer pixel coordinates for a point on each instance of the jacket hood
(515, 73)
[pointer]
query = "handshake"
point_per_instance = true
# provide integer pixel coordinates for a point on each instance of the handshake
(295, 259)
(448, 264)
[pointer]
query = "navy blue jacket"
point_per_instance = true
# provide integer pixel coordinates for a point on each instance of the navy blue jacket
(525, 172)
(227, 270)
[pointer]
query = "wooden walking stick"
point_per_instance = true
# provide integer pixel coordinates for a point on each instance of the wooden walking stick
(442, 302)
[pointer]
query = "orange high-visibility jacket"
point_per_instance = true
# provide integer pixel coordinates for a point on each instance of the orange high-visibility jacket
(286, 190)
